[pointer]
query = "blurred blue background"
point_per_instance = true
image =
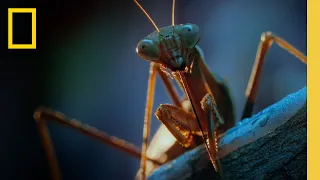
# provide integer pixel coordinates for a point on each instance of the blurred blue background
(89, 70)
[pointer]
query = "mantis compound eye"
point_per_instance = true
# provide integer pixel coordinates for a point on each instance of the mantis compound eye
(148, 50)
(189, 34)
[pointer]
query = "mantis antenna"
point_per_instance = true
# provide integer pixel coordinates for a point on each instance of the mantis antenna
(148, 16)
(173, 5)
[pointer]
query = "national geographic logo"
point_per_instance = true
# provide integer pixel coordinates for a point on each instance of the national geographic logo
(11, 19)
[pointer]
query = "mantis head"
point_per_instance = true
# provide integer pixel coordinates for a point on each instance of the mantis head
(172, 46)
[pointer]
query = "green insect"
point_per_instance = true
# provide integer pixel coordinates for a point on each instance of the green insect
(202, 116)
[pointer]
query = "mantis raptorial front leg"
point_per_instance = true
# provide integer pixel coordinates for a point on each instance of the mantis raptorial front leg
(214, 120)
(265, 43)
(182, 125)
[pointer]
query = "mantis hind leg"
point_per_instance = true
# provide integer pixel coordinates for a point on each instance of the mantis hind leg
(48, 145)
(42, 115)
(265, 43)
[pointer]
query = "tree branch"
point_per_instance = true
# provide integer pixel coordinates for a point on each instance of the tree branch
(270, 145)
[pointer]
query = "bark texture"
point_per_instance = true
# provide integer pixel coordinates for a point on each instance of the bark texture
(270, 145)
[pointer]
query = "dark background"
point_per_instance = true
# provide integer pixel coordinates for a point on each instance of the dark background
(85, 66)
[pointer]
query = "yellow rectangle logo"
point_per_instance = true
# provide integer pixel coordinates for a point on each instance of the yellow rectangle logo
(10, 28)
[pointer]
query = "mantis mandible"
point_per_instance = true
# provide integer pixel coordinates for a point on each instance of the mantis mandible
(204, 115)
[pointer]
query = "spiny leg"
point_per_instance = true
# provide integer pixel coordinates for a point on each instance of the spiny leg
(154, 68)
(266, 41)
(41, 115)
(147, 117)
(214, 120)
(181, 124)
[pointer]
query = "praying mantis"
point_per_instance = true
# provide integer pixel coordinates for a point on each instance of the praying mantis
(204, 115)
